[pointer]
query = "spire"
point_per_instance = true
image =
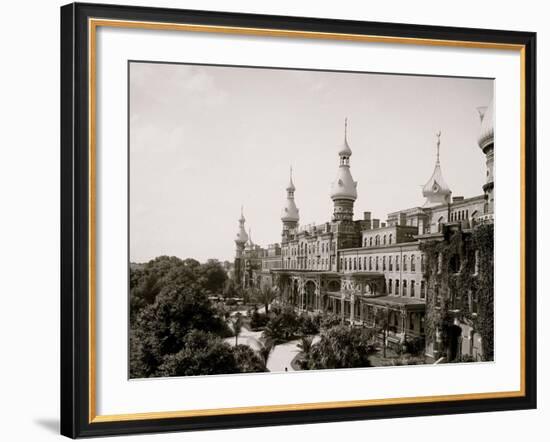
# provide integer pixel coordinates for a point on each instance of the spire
(438, 135)
(290, 187)
(250, 244)
(241, 237)
(346, 130)
(242, 215)
(344, 187)
(290, 212)
(436, 191)
(345, 150)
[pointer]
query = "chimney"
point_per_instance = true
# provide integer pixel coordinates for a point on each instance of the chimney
(402, 219)
(375, 223)
(367, 222)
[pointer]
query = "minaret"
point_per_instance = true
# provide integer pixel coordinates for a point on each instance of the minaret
(290, 215)
(486, 142)
(240, 241)
(436, 191)
(344, 189)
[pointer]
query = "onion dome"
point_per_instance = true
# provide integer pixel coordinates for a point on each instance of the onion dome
(436, 191)
(487, 132)
(290, 212)
(249, 244)
(241, 238)
(344, 187)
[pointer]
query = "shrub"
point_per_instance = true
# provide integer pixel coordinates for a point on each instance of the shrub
(415, 346)
(309, 325)
(258, 320)
(282, 326)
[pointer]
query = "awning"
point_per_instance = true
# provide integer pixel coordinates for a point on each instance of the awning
(396, 303)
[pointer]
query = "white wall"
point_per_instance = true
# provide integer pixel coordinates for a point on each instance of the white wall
(29, 217)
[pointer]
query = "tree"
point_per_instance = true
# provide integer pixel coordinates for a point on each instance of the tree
(230, 289)
(382, 323)
(237, 326)
(265, 296)
(247, 360)
(265, 351)
(305, 345)
(160, 328)
(282, 326)
(214, 276)
(341, 347)
(202, 354)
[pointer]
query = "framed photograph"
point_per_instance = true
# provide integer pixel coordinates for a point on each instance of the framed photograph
(274, 220)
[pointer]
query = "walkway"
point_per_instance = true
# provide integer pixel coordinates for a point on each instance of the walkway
(281, 356)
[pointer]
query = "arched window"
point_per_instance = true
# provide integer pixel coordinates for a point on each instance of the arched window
(404, 287)
(359, 263)
(397, 263)
(391, 239)
(354, 263)
(365, 263)
(384, 239)
(370, 263)
(389, 287)
(397, 286)
(413, 282)
(404, 267)
(377, 240)
(377, 263)
(370, 241)
(390, 263)
(384, 263)
(413, 263)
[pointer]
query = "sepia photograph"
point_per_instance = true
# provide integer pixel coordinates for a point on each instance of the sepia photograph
(287, 220)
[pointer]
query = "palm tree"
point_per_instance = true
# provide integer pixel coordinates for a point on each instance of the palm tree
(266, 295)
(382, 322)
(265, 351)
(237, 326)
(305, 345)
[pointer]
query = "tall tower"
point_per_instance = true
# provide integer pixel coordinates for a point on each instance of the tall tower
(486, 142)
(344, 189)
(436, 191)
(240, 242)
(290, 215)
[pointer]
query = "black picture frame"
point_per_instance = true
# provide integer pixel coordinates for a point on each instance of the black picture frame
(75, 220)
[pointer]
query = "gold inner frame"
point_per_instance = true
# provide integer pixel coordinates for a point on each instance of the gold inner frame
(93, 24)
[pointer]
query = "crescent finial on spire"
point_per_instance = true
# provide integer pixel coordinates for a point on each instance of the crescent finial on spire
(438, 135)
(346, 129)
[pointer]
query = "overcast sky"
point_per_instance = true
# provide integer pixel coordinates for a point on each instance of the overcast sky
(205, 140)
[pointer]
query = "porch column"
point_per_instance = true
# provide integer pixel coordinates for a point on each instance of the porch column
(351, 308)
(343, 307)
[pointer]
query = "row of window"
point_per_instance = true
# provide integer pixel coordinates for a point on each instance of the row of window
(377, 263)
(406, 289)
(309, 264)
(304, 249)
(378, 240)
